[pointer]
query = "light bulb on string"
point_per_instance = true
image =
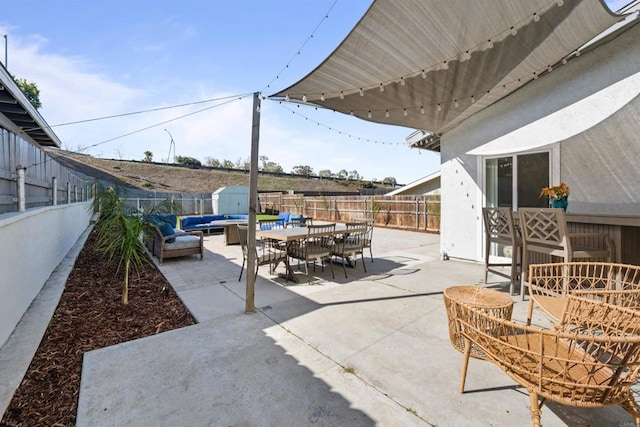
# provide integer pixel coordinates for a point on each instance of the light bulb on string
(386, 114)
(514, 31)
(536, 17)
(369, 114)
(535, 76)
(560, 3)
(421, 110)
(456, 104)
(351, 112)
(473, 99)
(549, 69)
(424, 74)
(578, 53)
(304, 98)
(381, 87)
(401, 81)
(466, 56)
(322, 97)
(445, 65)
(286, 97)
(439, 107)
(341, 95)
(404, 112)
(564, 61)
(489, 44)
(361, 92)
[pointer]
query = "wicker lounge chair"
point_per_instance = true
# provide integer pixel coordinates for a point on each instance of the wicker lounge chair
(551, 284)
(591, 361)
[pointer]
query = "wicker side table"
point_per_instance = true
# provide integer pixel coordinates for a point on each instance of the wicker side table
(493, 302)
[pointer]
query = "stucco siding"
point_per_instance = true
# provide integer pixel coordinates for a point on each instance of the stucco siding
(600, 164)
(33, 244)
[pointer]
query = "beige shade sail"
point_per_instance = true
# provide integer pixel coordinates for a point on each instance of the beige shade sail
(430, 64)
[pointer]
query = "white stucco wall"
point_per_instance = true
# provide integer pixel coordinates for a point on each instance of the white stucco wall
(33, 244)
(600, 164)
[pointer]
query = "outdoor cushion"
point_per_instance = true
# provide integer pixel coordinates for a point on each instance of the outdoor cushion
(166, 230)
(238, 216)
(209, 218)
(190, 221)
(170, 219)
(183, 242)
(285, 216)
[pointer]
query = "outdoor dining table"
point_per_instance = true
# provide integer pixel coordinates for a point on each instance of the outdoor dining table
(289, 235)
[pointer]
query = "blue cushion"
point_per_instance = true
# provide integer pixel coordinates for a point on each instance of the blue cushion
(170, 219)
(209, 218)
(241, 217)
(284, 215)
(190, 221)
(167, 230)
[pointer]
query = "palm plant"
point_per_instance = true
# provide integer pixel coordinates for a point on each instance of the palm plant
(119, 235)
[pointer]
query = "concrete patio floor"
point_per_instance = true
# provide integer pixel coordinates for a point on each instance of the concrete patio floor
(371, 349)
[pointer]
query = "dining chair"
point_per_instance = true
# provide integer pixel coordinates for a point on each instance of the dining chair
(500, 228)
(351, 244)
(317, 245)
(265, 254)
(369, 234)
(299, 222)
(544, 231)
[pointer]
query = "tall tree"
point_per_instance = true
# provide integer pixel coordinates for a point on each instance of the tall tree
(302, 170)
(148, 156)
(31, 91)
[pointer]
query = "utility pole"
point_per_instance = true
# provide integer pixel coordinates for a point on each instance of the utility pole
(6, 52)
(174, 148)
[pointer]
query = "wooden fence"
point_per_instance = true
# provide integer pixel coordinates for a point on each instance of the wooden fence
(420, 213)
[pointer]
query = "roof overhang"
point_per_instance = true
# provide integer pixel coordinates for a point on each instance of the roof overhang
(430, 65)
(19, 111)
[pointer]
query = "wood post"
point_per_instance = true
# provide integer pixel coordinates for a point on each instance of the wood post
(250, 277)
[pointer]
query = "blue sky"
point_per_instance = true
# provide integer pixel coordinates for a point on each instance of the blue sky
(94, 58)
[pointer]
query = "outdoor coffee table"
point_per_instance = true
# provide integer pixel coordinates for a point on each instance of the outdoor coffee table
(230, 229)
(491, 301)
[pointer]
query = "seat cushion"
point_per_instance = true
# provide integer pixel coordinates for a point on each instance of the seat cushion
(183, 242)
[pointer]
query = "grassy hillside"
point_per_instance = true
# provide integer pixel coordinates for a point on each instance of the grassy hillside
(167, 178)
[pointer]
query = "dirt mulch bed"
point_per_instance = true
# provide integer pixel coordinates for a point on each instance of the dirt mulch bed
(90, 315)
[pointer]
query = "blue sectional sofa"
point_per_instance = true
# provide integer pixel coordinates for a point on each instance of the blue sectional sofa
(203, 222)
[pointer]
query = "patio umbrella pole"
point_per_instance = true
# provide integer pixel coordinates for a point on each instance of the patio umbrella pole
(253, 197)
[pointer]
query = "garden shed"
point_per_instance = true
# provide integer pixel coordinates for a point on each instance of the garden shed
(233, 199)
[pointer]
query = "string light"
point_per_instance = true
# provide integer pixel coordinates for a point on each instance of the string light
(286, 97)
(404, 112)
(421, 110)
(341, 132)
(304, 98)
(369, 114)
(466, 55)
(386, 114)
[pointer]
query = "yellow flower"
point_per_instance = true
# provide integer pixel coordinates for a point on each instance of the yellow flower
(556, 192)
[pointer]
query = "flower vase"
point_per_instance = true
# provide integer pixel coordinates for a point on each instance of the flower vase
(562, 202)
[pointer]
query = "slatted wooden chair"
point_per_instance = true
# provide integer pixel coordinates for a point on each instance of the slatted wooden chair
(550, 285)
(266, 254)
(316, 246)
(591, 361)
(500, 228)
(351, 244)
(544, 230)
